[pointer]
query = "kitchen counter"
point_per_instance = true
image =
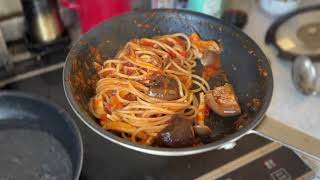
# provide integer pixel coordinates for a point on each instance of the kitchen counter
(288, 105)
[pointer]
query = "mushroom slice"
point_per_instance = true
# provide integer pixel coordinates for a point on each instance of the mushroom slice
(200, 128)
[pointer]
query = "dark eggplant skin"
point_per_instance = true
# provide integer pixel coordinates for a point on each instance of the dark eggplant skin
(179, 133)
(223, 90)
(164, 87)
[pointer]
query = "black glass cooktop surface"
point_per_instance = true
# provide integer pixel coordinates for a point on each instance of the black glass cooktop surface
(106, 160)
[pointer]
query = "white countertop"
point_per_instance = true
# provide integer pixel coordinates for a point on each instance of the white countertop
(287, 105)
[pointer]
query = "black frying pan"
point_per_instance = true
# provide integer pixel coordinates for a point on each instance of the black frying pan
(38, 140)
(242, 60)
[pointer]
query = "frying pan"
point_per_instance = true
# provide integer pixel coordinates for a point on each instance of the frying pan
(242, 60)
(38, 140)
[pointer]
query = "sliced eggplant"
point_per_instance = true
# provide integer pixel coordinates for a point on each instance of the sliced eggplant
(223, 101)
(179, 133)
(164, 87)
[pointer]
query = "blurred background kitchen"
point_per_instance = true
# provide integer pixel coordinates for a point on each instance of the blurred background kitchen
(36, 35)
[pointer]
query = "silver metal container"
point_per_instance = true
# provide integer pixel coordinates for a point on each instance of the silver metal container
(42, 19)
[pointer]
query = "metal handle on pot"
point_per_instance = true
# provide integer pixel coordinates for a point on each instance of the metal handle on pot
(289, 137)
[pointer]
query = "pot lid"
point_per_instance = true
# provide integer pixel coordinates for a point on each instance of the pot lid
(297, 33)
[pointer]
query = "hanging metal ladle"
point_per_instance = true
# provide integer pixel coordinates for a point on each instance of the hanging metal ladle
(305, 76)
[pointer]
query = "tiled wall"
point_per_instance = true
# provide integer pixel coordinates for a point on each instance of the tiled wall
(11, 21)
(9, 7)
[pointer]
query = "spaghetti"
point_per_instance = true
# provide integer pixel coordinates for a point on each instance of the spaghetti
(148, 81)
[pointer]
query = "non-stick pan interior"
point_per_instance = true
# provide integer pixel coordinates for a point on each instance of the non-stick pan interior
(244, 63)
(38, 137)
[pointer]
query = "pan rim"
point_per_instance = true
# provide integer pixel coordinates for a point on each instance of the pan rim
(159, 150)
(67, 118)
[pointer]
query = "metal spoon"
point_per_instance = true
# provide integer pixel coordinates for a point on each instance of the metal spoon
(305, 76)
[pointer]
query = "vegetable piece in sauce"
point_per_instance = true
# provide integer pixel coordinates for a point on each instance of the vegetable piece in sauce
(212, 68)
(179, 133)
(204, 45)
(200, 128)
(223, 101)
(164, 87)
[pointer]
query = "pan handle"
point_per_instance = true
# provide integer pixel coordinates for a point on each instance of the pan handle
(289, 137)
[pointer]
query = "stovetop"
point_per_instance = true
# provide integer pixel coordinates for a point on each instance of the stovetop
(106, 160)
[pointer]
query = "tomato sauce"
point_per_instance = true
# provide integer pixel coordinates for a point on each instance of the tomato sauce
(212, 69)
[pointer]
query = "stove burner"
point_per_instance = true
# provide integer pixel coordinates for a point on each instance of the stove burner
(309, 34)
